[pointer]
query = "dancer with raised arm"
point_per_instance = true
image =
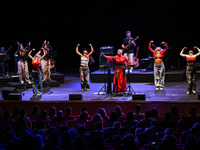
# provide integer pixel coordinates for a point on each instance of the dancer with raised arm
(84, 69)
(21, 55)
(159, 67)
(119, 79)
(191, 69)
(36, 72)
(45, 63)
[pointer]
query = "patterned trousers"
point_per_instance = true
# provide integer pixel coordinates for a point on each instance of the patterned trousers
(23, 71)
(191, 78)
(45, 64)
(159, 75)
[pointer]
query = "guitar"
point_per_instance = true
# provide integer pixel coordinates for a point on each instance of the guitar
(126, 47)
(52, 64)
(135, 59)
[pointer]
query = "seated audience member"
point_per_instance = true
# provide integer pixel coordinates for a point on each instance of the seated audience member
(167, 123)
(154, 115)
(119, 111)
(129, 143)
(138, 115)
(83, 116)
(52, 112)
(35, 113)
(113, 116)
(103, 113)
(175, 115)
(68, 112)
(146, 122)
(59, 116)
(97, 117)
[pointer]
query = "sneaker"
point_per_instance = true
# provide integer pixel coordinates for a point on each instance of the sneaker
(87, 89)
(29, 82)
(22, 82)
(193, 91)
(43, 80)
(126, 71)
(82, 90)
(161, 88)
(157, 89)
(39, 94)
(188, 92)
(131, 70)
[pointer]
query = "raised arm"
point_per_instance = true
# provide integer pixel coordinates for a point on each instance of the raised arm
(166, 47)
(150, 47)
(29, 54)
(195, 47)
(181, 53)
(78, 51)
(104, 55)
(44, 53)
(92, 50)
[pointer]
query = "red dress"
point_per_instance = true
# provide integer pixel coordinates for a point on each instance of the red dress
(119, 79)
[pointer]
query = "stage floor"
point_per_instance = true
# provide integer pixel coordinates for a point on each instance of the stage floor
(173, 91)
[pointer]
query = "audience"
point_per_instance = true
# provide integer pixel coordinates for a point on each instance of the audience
(148, 133)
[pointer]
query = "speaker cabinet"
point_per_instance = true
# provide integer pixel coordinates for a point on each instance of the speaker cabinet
(138, 97)
(75, 97)
(15, 96)
(7, 90)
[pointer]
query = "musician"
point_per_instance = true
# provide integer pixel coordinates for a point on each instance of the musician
(159, 68)
(21, 53)
(84, 69)
(190, 69)
(2, 62)
(46, 63)
(119, 79)
(129, 52)
(36, 72)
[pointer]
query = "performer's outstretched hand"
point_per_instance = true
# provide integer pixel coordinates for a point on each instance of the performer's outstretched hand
(151, 41)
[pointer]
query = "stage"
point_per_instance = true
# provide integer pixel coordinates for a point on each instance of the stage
(174, 94)
(70, 84)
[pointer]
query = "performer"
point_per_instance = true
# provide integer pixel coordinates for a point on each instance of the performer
(36, 73)
(159, 68)
(2, 62)
(84, 69)
(119, 79)
(191, 70)
(21, 53)
(45, 63)
(129, 52)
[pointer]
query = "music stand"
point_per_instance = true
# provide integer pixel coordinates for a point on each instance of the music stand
(103, 89)
(129, 88)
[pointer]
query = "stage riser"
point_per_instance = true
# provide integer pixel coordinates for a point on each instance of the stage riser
(99, 77)
(18, 85)
(55, 76)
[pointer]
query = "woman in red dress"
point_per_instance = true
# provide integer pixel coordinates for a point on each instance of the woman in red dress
(119, 79)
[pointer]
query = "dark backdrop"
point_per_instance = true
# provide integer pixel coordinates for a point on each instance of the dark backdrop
(101, 23)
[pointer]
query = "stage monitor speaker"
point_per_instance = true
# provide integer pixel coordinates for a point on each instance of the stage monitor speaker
(15, 96)
(6, 91)
(75, 97)
(198, 96)
(138, 97)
